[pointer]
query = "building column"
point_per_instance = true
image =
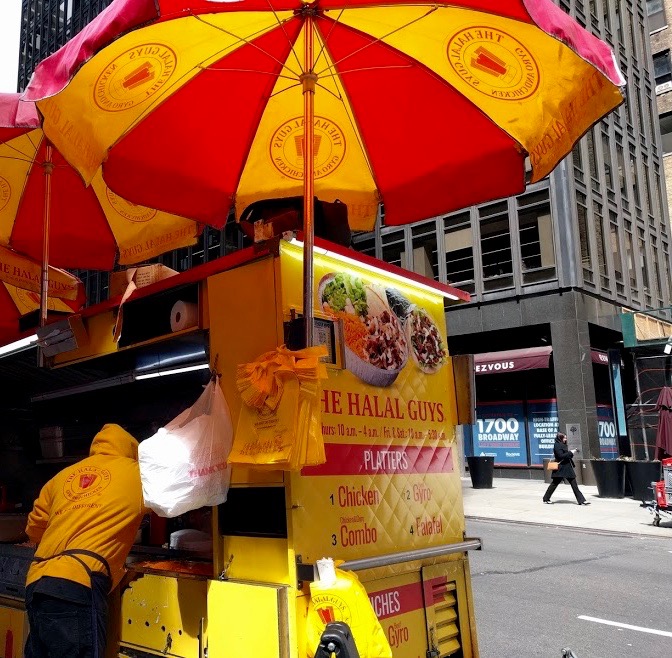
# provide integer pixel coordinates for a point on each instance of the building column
(574, 385)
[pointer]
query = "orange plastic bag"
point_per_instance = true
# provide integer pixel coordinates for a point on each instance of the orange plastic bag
(280, 425)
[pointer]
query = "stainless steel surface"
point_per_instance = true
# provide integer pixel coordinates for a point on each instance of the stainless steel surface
(408, 556)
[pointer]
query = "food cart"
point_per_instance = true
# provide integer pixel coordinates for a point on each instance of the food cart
(387, 502)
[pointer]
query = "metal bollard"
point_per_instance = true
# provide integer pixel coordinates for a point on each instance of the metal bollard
(337, 639)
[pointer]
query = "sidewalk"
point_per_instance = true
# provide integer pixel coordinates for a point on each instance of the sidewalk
(520, 500)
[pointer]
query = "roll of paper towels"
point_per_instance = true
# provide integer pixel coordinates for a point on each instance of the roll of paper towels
(183, 315)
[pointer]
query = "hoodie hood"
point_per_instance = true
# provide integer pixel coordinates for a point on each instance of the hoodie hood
(114, 441)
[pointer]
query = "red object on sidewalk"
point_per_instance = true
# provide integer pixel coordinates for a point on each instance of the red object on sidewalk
(661, 496)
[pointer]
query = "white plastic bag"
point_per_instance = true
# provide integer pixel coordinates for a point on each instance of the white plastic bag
(184, 465)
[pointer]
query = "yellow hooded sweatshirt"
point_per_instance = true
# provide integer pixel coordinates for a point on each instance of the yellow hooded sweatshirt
(95, 505)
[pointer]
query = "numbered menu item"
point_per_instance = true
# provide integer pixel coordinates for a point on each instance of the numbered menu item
(382, 497)
(381, 329)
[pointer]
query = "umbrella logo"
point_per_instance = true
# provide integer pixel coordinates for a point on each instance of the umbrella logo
(494, 63)
(287, 149)
(85, 482)
(128, 210)
(134, 76)
(27, 301)
(5, 192)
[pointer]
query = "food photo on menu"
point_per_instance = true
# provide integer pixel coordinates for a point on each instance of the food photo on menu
(382, 328)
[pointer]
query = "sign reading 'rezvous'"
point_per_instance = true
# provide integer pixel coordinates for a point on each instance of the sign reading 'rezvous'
(491, 363)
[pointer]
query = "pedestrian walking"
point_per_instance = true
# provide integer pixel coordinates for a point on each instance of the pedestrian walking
(563, 455)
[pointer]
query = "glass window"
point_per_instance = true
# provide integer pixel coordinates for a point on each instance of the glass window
(592, 155)
(619, 24)
(638, 100)
(601, 246)
(666, 263)
(658, 197)
(394, 249)
(459, 245)
(621, 172)
(496, 247)
(616, 250)
(662, 67)
(537, 253)
(425, 257)
(655, 10)
(576, 157)
(656, 267)
(635, 177)
(197, 252)
(606, 154)
(630, 251)
(584, 238)
(666, 131)
(641, 243)
(647, 188)
(365, 244)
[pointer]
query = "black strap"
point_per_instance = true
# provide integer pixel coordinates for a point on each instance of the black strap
(73, 553)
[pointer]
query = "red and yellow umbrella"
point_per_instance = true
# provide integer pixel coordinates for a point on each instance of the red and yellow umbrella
(89, 227)
(20, 281)
(198, 106)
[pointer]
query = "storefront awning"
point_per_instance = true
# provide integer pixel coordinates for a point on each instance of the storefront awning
(492, 363)
(598, 356)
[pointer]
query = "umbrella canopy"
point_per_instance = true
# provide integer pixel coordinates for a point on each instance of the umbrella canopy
(198, 106)
(20, 279)
(664, 431)
(201, 104)
(90, 227)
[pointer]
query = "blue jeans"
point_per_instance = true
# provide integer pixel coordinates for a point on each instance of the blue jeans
(60, 628)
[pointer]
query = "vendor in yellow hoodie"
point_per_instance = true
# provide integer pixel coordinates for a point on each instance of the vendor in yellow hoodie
(84, 524)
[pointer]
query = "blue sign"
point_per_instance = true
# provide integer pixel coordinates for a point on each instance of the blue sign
(606, 432)
(542, 427)
(500, 432)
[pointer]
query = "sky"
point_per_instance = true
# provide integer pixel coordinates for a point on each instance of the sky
(10, 19)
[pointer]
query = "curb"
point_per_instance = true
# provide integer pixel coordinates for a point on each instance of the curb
(590, 531)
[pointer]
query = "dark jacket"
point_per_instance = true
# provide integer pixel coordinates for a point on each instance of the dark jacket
(563, 455)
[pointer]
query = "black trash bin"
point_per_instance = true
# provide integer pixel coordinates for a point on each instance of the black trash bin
(481, 470)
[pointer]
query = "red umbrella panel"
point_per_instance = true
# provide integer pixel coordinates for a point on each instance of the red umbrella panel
(90, 227)
(195, 106)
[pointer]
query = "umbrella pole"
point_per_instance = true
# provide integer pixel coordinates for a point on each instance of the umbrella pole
(48, 167)
(308, 79)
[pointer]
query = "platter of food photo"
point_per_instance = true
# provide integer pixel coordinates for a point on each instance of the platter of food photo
(381, 328)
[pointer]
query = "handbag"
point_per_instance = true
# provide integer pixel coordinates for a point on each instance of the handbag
(552, 465)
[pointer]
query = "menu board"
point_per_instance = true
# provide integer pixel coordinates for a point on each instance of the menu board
(390, 482)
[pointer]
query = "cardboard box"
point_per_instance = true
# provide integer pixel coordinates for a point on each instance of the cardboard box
(142, 276)
(64, 336)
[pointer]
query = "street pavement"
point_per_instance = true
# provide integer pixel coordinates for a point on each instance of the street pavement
(521, 501)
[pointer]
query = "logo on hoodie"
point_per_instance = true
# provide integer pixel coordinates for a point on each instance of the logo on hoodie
(86, 481)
